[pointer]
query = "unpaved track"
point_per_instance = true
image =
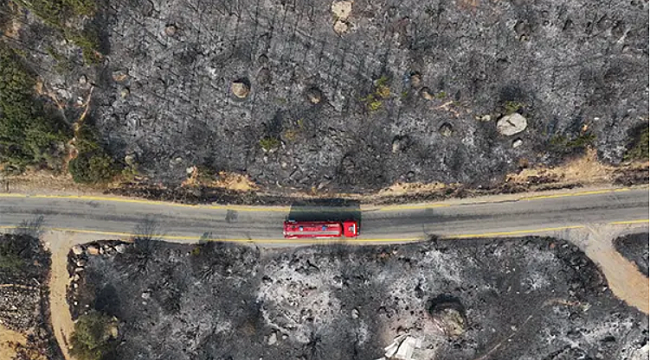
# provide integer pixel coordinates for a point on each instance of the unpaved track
(59, 244)
(624, 278)
(569, 215)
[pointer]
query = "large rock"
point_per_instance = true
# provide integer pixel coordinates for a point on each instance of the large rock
(314, 95)
(341, 27)
(416, 80)
(446, 129)
(273, 338)
(448, 315)
(120, 248)
(77, 250)
(92, 250)
(426, 94)
(641, 354)
(342, 9)
(170, 30)
(511, 124)
(240, 88)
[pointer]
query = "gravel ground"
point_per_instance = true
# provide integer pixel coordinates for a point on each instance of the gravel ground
(635, 248)
(527, 298)
(576, 71)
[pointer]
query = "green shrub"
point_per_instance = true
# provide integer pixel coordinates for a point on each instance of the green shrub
(638, 149)
(566, 145)
(374, 105)
(92, 167)
(512, 107)
(381, 91)
(91, 339)
(88, 42)
(269, 143)
(56, 13)
(92, 164)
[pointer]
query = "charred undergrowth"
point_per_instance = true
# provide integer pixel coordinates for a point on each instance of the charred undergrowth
(464, 299)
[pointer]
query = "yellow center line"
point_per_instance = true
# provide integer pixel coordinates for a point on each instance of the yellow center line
(581, 193)
(149, 202)
(510, 233)
(286, 209)
(197, 238)
(316, 241)
(630, 222)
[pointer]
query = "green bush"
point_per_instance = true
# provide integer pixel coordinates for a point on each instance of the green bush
(269, 143)
(92, 164)
(28, 134)
(88, 42)
(10, 261)
(91, 168)
(381, 91)
(91, 339)
(566, 145)
(57, 12)
(511, 107)
(638, 149)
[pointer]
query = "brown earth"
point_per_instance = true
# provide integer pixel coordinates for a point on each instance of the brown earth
(8, 338)
(60, 244)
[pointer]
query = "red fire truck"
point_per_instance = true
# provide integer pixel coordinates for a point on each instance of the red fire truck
(320, 229)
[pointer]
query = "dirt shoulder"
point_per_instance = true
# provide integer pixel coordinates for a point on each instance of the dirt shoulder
(582, 172)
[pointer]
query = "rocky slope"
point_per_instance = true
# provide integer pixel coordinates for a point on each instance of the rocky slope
(355, 95)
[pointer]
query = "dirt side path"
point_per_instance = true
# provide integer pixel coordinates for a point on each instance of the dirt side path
(62, 323)
(59, 244)
(623, 277)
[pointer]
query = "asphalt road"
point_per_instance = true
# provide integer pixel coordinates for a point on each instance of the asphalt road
(494, 216)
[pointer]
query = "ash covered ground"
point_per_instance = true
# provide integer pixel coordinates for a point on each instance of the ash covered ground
(635, 248)
(576, 70)
(528, 298)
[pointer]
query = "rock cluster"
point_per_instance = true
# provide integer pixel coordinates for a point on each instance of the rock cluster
(81, 255)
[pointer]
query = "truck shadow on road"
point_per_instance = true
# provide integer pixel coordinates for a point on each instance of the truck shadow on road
(333, 209)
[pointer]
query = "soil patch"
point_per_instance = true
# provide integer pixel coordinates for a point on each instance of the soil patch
(8, 341)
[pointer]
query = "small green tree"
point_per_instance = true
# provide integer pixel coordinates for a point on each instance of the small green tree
(269, 143)
(92, 336)
(638, 149)
(93, 164)
(91, 168)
